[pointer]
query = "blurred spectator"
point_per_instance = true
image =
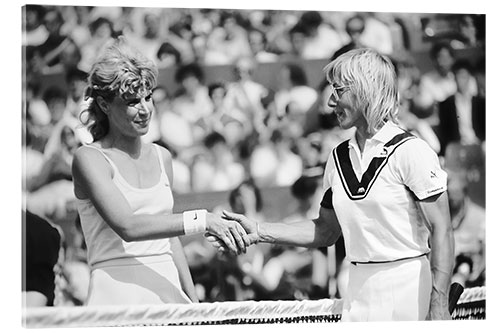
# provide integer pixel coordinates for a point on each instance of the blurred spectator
(437, 84)
(168, 56)
(244, 95)
(102, 33)
(56, 42)
(150, 41)
(408, 78)
(354, 27)
(310, 149)
(297, 36)
(468, 222)
(191, 101)
(181, 37)
(462, 116)
(66, 113)
(294, 93)
(42, 244)
(77, 25)
(307, 192)
(278, 24)
(229, 41)
(321, 40)
(231, 123)
(377, 33)
(76, 81)
(274, 164)
(37, 111)
(55, 98)
(258, 45)
(50, 192)
(33, 160)
(216, 170)
(467, 32)
(175, 130)
(35, 32)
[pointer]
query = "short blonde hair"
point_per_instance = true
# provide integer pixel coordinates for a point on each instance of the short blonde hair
(372, 79)
(121, 71)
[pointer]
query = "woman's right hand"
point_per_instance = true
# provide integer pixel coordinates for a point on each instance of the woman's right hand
(229, 234)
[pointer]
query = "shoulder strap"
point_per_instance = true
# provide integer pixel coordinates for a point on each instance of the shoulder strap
(162, 163)
(357, 190)
(113, 166)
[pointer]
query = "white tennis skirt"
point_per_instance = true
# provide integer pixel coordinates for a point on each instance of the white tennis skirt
(133, 281)
(396, 291)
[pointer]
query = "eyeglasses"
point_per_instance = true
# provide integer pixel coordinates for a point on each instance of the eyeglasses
(337, 92)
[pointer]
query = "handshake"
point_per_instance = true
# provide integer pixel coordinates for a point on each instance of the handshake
(231, 232)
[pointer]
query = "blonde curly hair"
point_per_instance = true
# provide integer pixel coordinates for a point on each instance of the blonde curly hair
(121, 71)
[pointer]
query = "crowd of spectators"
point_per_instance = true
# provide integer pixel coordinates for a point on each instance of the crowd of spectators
(230, 135)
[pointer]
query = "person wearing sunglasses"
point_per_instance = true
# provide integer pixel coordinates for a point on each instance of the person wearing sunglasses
(385, 192)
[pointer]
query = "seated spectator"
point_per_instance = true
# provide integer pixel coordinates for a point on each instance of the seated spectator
(462, 116)
(258, 44)
(377, 33)
(77, 23)
(227, 42)
(438, 84)
(62, 116)
(244, 95)
(293, 91)
(216, 170)
(76, 81)
(354, 27)
(150, 40)
(321, 40)
(102, 33)
(33, 160)
(277, 24)
(168, 56)
(40, 255)
(35, 32)
(310, 149)
(50, 192)
(56, 42)
(307, 194)
(231, 123)
(274, 163)
(36, 109)
(182, 38)
(468, 222)
(192, 101)
(408, 76)
(297, 37)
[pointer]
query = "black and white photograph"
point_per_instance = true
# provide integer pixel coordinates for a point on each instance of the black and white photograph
(229, 164)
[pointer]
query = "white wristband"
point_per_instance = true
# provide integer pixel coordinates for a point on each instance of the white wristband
(194, 221)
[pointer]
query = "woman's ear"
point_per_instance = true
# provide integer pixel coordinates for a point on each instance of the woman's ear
(103, 105)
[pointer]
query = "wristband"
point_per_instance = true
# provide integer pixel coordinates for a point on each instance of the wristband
(194, 221)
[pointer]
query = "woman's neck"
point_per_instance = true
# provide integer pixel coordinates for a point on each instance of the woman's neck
(132, 146)
(362, 135)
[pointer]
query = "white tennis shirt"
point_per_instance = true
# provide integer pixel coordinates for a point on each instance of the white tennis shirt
(378, 213)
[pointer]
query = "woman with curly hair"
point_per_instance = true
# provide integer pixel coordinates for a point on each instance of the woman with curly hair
(123, 187)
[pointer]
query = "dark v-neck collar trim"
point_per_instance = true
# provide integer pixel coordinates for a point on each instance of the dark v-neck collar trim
(355, 189)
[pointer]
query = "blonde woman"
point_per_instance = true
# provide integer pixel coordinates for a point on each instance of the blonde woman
(123, 186)
(385, 191)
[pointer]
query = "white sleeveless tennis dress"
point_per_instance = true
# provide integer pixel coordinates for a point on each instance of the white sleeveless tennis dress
(141, 272)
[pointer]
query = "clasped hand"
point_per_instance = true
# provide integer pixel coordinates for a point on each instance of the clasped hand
(231, 232)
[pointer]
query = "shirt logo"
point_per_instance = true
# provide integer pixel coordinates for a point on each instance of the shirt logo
(433, 174)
